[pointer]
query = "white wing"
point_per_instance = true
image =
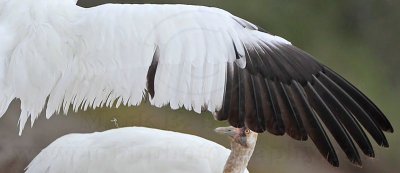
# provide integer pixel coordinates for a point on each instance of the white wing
(132, 149)
(101, 56)
(185, 56)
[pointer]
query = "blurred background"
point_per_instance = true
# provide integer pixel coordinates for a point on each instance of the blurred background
(357, 38)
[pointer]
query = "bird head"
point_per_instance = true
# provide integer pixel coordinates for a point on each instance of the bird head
(243, 136)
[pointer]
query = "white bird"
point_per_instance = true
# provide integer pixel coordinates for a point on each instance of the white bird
(138, 149)
(59, 55)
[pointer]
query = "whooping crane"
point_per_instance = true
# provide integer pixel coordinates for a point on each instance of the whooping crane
(56, 54)
(139, 149)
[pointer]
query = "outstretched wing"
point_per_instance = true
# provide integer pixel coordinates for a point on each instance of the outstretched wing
(283, 89)
(194, 57)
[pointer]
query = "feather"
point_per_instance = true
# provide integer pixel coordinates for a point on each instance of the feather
(223, 114)
(258, 107)
(344, 117)
(356, 110)
(275, 124)
(293, 124)
(313, 126)
(234, 102)
(152, 72)
(254, 116)
(362, 100)
(335, 127)
(86, 152)
(191, 57)
(239, 121)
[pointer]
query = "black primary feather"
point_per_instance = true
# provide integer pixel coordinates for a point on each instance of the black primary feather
(234, 114)
(345, 117)
(256, 118)
(334, 126)
(356, 110)
(361, 99)
(313, 126)
(283, 89)
(276, 123)
(294, 125)
(223, 114)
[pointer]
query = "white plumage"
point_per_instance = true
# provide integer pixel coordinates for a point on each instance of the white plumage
(133, 149)
(57, 55)
(99, 56)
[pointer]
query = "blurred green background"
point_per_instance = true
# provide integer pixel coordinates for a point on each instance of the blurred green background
(357, 38)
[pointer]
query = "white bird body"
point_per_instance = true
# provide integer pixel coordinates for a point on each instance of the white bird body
(131, 149)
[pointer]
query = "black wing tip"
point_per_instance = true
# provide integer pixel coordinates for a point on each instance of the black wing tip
(300, 135)
(357, 162)
(338, 131)
(369, 106)
(384, 144)
(374, 120)
(235, 123)
(279, 129)
(370, 153)
(333, 160)
(388, 129)
(257, 129)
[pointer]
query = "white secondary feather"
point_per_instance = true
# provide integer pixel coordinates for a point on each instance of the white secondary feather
(133, 149)
(57, 53)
